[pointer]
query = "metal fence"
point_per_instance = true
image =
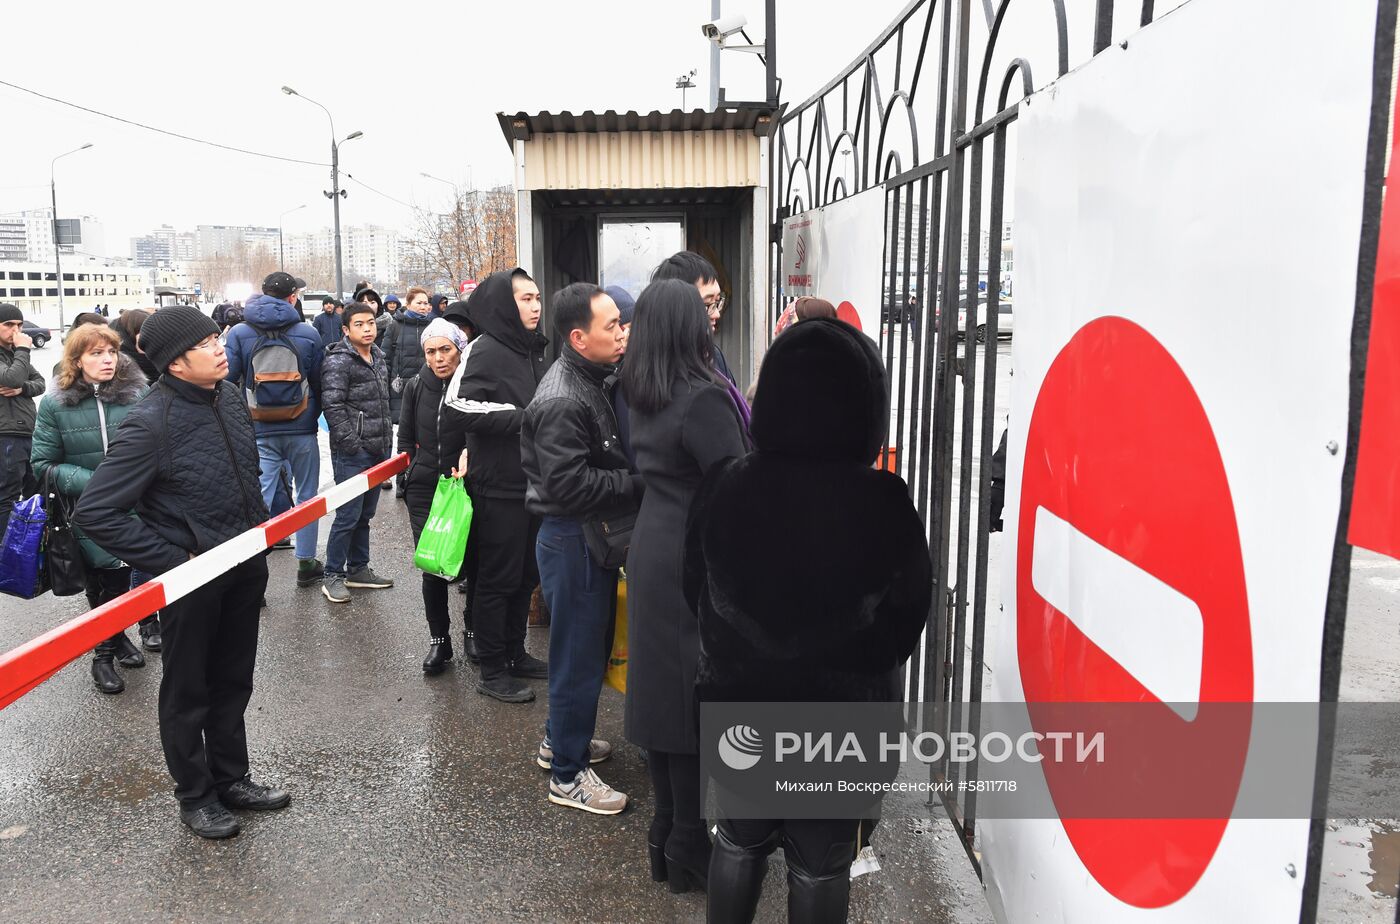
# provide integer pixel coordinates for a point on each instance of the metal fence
(916, 115)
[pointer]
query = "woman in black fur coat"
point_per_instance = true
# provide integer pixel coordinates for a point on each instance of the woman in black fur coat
(810, 575)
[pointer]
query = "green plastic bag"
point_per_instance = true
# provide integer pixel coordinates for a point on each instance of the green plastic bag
(443, 544)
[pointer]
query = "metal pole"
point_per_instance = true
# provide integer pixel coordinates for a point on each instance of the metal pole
(281, 256)
(714, 62)
(335, 199)
(770, 48)
(57, 260)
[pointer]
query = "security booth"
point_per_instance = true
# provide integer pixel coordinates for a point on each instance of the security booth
(605, 196)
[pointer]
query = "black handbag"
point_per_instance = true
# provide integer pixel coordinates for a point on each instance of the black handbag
(64, 566)
(608, 535)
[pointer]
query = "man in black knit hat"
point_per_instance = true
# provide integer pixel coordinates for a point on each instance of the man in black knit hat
(186, 461)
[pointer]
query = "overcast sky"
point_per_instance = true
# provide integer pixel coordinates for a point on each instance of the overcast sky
(423, 81)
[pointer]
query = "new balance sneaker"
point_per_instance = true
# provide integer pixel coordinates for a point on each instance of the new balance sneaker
(589, 793)
(366, 577)
(333, 588)
(309, 572)
(598, 751)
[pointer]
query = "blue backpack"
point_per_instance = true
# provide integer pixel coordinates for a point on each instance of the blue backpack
(275, 383)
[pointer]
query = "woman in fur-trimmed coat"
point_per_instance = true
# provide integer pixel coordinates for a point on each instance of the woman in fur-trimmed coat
(95, 387)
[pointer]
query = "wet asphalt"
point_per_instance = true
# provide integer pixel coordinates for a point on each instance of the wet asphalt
(413, 798)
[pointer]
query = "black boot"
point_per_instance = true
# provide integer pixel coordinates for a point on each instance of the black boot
(736, 879)
(818, 899)
(439, 654)
(656, 846)
(687, 857)
(150, 632)
(104, 675)
(497, 683)
(128, 655)
(469, 640)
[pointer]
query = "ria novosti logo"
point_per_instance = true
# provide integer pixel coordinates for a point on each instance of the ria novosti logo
(740, 747)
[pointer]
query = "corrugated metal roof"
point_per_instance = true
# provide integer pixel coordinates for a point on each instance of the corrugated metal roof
(522, 124)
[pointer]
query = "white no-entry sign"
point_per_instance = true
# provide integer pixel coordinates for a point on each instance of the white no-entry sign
(1186, 266)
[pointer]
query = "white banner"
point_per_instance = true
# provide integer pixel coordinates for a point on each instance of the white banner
(1186, 265)
(837, 253)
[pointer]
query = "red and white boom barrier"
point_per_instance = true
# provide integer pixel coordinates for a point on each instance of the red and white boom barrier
(29, 665)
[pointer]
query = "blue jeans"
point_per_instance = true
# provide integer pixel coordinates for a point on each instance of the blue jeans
(347, 549)
(580, 597)
(303, 454)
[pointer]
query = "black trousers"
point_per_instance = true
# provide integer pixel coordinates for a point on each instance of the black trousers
(104, 585)
(209, 641)
(506, 575)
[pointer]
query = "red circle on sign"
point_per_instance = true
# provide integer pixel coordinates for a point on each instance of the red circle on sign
(847, 312)
(1120, 448)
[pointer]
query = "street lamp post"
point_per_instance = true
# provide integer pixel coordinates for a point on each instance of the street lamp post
(336, 193)
(57, 252)
(281, 256)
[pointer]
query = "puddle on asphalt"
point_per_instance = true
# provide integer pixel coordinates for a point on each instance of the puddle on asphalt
(1385, 859)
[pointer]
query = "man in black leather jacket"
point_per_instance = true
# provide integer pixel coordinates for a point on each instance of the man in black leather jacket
(186, 461)
(575, 467)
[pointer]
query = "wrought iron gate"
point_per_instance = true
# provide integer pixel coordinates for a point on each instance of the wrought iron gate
(945, 198)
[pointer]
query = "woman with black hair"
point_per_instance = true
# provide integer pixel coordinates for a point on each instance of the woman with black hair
(684, 421)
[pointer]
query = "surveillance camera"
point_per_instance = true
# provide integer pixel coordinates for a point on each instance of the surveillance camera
(720, 29)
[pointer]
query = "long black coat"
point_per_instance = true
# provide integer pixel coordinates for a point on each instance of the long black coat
(674, 449)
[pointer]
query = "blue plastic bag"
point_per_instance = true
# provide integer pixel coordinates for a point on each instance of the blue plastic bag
(22, 554)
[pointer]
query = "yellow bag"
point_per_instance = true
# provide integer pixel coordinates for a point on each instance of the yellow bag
(616, 676)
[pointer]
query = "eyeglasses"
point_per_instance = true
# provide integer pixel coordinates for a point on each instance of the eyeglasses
(209, 344)
(716, 307)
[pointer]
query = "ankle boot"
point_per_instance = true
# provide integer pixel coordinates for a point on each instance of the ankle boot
(439, 653)
(656, 846)
(469, 642)
(128, 655)
(687, 856)
(150, 632)
(104, 675)
(736, 879)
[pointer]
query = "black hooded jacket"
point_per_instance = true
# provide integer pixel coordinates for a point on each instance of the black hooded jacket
(807, 568)
(504, 367)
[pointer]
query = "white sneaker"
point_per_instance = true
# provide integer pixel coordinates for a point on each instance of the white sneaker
(589, 793)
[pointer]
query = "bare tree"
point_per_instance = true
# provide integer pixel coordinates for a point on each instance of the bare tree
(473, 238)
(240, 263)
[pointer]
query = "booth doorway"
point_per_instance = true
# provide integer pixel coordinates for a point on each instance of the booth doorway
(630, 247)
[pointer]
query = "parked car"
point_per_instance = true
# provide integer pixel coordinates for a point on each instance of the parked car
(1004, 320)
(40, 335)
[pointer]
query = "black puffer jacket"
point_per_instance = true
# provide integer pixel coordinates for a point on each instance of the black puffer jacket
(432, 433)
(569, 446)
(504, 367)
(185, 459)
(807, 568)
(404, 353)
(355, 398)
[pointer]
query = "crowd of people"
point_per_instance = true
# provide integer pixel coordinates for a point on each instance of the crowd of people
(740, 513)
